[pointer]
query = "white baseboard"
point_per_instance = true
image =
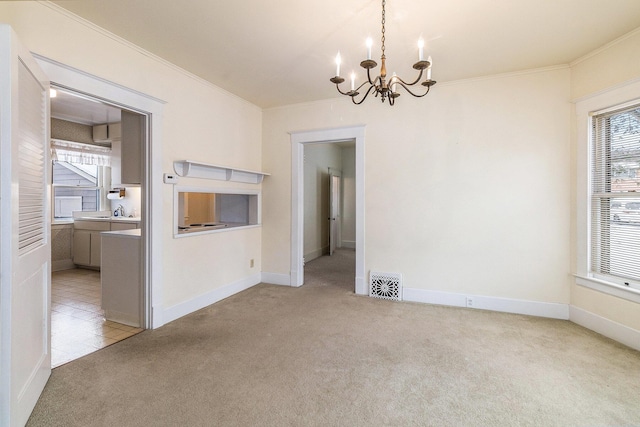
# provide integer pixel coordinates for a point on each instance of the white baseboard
(276, 279)
(63, 264)
(184, 308)
(362, 286)
(610, 329)
(349, 244)
(506, 305)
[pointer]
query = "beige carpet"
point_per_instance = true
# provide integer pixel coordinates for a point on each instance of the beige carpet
(321, 356)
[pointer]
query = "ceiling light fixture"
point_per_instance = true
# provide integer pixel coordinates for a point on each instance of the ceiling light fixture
(379, 85)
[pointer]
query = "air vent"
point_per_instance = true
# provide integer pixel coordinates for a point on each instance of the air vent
(385, 286)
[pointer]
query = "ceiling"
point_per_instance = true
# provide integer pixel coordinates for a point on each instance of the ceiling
(76, 108)
(279, 53)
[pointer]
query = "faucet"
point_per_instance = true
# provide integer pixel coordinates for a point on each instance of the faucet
(119, 211)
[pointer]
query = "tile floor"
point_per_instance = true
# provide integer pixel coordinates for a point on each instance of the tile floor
(77, 323)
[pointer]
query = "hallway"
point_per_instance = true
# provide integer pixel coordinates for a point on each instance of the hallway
(338, 270)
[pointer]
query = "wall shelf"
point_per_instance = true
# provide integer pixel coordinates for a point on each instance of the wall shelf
(189, 168)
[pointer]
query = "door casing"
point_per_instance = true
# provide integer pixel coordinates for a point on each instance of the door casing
(298, 139)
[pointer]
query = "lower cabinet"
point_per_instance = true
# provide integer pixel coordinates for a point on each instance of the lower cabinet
(87, 241)
(82, 247)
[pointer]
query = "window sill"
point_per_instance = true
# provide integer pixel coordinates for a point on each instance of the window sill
(629, 294)
(216, 230)
(62, 221)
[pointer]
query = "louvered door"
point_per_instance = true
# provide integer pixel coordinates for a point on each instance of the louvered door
(25, 250)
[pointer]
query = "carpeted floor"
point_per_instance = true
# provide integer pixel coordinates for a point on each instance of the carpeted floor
(321, 356)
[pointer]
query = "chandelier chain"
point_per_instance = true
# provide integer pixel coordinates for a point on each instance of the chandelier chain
(383, 22)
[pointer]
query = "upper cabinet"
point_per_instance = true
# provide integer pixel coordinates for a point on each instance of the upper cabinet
(107, 133)
(133, 137)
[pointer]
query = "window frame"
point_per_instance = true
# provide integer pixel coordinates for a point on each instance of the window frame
(103, 173)
(616, 98)
(604, 163)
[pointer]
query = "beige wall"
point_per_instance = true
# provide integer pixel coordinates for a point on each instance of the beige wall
(200, 122)
(599, 74)
(466, 190)
(609, 66)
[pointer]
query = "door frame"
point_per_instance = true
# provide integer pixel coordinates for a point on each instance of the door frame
(328, 136)
(78, 81)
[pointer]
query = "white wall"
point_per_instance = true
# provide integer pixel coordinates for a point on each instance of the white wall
(200, 122)
(466, 190)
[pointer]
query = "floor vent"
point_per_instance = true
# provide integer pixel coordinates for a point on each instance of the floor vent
(385, 286)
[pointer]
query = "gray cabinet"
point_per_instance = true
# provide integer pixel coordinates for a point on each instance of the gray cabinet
(87, 240)
(117, 226)
(121, 277)
(133, 137)
(82, 247)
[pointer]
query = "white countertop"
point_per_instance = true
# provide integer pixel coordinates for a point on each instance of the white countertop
(110, 218)
(130, 234)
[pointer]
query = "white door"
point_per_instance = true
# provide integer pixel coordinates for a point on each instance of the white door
(334, 211)
(25, 248)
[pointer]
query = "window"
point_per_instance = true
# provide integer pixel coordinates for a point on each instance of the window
(76, 187)
(615, 196)
(80, 174)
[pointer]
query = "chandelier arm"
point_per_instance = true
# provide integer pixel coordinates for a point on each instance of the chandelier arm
(410, 84)
(341, 92)
(353, 98)
(371, 82)
(401, 83)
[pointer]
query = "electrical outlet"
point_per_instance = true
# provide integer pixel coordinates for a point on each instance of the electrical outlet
(251, 263)
(469, 302)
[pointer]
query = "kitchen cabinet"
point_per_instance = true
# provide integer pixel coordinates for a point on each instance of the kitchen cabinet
(133, 137)
(116, 226)
(87, 240)
(121, 277)
(126, 153)
(87, 243)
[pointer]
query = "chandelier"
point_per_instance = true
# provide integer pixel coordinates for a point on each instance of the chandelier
(380, 86)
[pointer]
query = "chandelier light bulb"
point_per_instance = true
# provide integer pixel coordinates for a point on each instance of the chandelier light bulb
(429, 69)
(369, 44)
(338, 62)
(353, 80)
(420, 49)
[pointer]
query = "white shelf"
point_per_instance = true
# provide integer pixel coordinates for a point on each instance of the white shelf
(189, 168)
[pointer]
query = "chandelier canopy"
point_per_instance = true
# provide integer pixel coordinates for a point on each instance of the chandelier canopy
(380, 86)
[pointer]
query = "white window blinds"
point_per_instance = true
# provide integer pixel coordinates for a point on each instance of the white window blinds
(615, 195)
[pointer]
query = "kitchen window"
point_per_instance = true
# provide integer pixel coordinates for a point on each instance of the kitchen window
(79, 174)
(614, 210)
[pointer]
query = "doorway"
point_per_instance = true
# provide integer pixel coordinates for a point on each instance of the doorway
(354, 135)
(87, 170)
